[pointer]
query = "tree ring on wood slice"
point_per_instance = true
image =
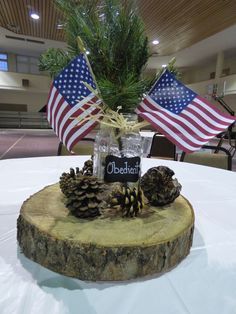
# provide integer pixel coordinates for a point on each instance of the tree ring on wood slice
(108, 247)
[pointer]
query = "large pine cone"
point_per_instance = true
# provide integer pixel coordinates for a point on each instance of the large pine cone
(83, 194)
(128, 200)
(159, 187)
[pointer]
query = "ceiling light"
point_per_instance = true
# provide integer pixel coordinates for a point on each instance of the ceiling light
(34, 16)
(60, 26)
(164, 65)
(102, 17)
(155, 42)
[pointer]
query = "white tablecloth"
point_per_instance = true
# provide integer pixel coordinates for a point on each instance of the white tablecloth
(204, 283)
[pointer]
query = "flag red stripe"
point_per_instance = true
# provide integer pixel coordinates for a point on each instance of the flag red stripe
(171, 138)
(201, 119)
(51, 102)
(60, 118)
(210, 115)
(68, 122)
(50, 90)
(76, 128)
(214, 129)
(61, 128)
(58, 113)
(206, 129)
(187, 120)
(56, 118)
(225, 115)
(184, 136)
(57, 108)
(82, 135)
(52, 105)
(75, 114)
(177, 123)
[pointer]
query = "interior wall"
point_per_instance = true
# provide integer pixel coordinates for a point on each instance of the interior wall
(13, 94)
(226, 87)
(231, 101)
(202, 72)
(231, 64)
(34, 101)
(13, 81)
(198, 74)
(11, 62)
(35, 96)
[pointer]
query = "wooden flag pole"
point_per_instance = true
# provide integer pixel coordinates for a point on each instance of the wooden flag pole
(83, 50)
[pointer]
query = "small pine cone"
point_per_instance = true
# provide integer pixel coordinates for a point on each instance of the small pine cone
(87, 169)
(84, 200)
(67, 180)
(129, 200)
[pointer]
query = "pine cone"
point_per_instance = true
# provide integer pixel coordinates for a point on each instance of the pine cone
(87, 169)
(83, 193)
(85, 198)
(67, 180)
(159, 187)
(128, 199)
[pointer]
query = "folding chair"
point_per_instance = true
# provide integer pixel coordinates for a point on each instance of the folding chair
(161, 147)
(217, 157)
(83, 147)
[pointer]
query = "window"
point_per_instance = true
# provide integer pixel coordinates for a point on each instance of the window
(27, 64)
(3, 62)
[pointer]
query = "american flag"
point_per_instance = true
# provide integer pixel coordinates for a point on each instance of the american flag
(185, 118)
(68, 98)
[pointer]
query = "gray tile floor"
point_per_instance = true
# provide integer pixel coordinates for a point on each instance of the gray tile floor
(19, 143)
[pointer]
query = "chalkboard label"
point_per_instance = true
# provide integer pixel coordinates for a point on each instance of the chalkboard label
(122, 169)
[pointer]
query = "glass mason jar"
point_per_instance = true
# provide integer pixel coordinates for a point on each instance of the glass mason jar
(117, 154)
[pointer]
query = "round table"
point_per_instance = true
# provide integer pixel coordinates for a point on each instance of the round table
(204, 282)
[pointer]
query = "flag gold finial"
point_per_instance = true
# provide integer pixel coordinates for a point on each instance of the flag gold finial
(81, 45)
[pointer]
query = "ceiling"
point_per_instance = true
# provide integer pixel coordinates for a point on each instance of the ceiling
(184, 28)
(180, 24)
(15, 16)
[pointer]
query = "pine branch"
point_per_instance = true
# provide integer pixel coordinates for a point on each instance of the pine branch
(115, 37)
(53, 61)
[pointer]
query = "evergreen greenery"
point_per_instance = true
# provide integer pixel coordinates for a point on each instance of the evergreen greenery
(53, 61)
(114, 35)
(171, 68)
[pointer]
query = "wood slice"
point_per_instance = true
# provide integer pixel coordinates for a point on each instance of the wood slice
(106, 248)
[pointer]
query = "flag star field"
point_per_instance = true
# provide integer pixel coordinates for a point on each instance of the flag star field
(70, 81)
(171, 94)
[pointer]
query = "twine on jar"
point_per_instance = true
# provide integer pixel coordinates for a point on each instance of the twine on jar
(111, 118)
